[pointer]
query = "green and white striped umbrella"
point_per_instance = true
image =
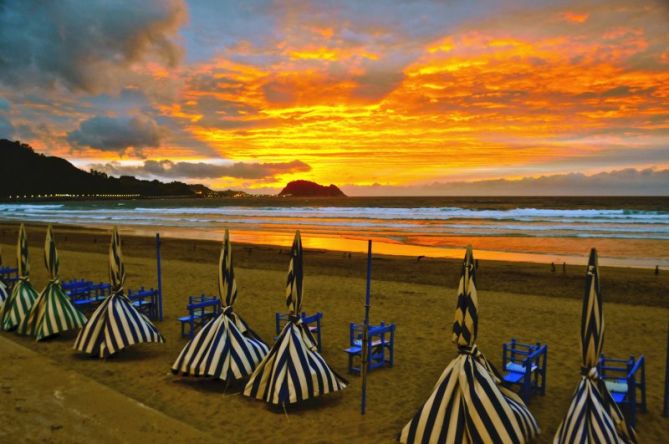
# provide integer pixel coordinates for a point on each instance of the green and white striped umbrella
(23, 295)
(53, 312)
(3, 287)
(469, 404)
(593, 416)
(116, 323)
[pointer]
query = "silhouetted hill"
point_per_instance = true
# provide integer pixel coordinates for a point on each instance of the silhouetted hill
(305, 188)
(25, 172)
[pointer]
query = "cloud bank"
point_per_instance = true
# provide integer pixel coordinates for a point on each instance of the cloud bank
(202, 170)
(630, 182)
(116, 133)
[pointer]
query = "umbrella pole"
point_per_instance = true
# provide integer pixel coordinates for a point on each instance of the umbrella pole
(160, 280)
(665, 412)
(365, 330)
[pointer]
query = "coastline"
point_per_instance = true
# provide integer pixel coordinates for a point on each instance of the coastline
(543, 231)
(621, 284)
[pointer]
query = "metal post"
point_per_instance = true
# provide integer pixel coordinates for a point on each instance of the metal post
(160, 280)
(665, 412)
(365, 330)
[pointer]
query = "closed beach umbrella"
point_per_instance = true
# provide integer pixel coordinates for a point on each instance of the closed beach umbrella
(593, 416)
(225, 348)
(115, 324)
(469, 404)
(3, 288)
(52, 312)
(293, 370)
(23, 295)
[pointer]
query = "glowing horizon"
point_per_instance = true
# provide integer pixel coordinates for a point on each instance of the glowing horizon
(252, 96)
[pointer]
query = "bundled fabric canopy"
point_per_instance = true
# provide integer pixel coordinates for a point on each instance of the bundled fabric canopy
(3, 288)
(115, 324)
(52, 312)
(23, 295)
(293, 370)
(469, 404)
(225, 348)
(593, 416)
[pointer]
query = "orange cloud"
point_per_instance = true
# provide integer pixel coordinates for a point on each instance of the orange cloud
(575, 17)
(486, 96)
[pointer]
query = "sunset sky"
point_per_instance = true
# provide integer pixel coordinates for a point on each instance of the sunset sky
(380, 97)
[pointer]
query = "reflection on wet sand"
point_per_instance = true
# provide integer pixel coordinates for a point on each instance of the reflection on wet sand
(615, 252)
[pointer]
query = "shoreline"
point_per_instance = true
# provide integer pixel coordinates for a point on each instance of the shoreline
(525, 229)
(639, 253)
(627, 285)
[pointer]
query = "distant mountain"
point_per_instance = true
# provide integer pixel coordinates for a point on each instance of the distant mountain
(25, 172)
(305, 188)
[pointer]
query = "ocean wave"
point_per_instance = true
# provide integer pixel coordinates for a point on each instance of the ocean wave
(432, 221)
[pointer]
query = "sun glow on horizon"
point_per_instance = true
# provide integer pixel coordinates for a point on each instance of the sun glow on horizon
(359, 101)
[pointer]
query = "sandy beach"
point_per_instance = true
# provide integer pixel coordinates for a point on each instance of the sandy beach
(525, 301)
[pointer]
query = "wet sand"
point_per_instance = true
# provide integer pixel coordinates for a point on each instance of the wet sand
(43, 402)
(525, 301)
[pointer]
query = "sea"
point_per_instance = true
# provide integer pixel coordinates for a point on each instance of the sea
(630, 231)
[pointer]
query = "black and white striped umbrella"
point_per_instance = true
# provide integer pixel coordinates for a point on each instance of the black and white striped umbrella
(469, 403)
(23, 294)
(52, 312)
(115, 324)
(293, 370)
(593, 416)
(3, 288)
(225, 348)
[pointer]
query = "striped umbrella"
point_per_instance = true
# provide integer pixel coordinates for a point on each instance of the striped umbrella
(115, 324)
(593, 416)
(3, 288)
(293, 370)
(225, 348)
(23, 295)
(52, 312)
(469, 403)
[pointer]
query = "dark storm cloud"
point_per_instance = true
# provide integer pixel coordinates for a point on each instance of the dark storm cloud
(116, 133)
(202, 170)
(6, 128)
(83, 45)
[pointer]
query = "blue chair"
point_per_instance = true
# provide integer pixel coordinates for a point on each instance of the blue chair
(146, 301)
(200, 310)
(75, 284)
(9, 276)
(380, 340)
(86, 294)
(626, 381)
(313, 323)
(525, 366)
